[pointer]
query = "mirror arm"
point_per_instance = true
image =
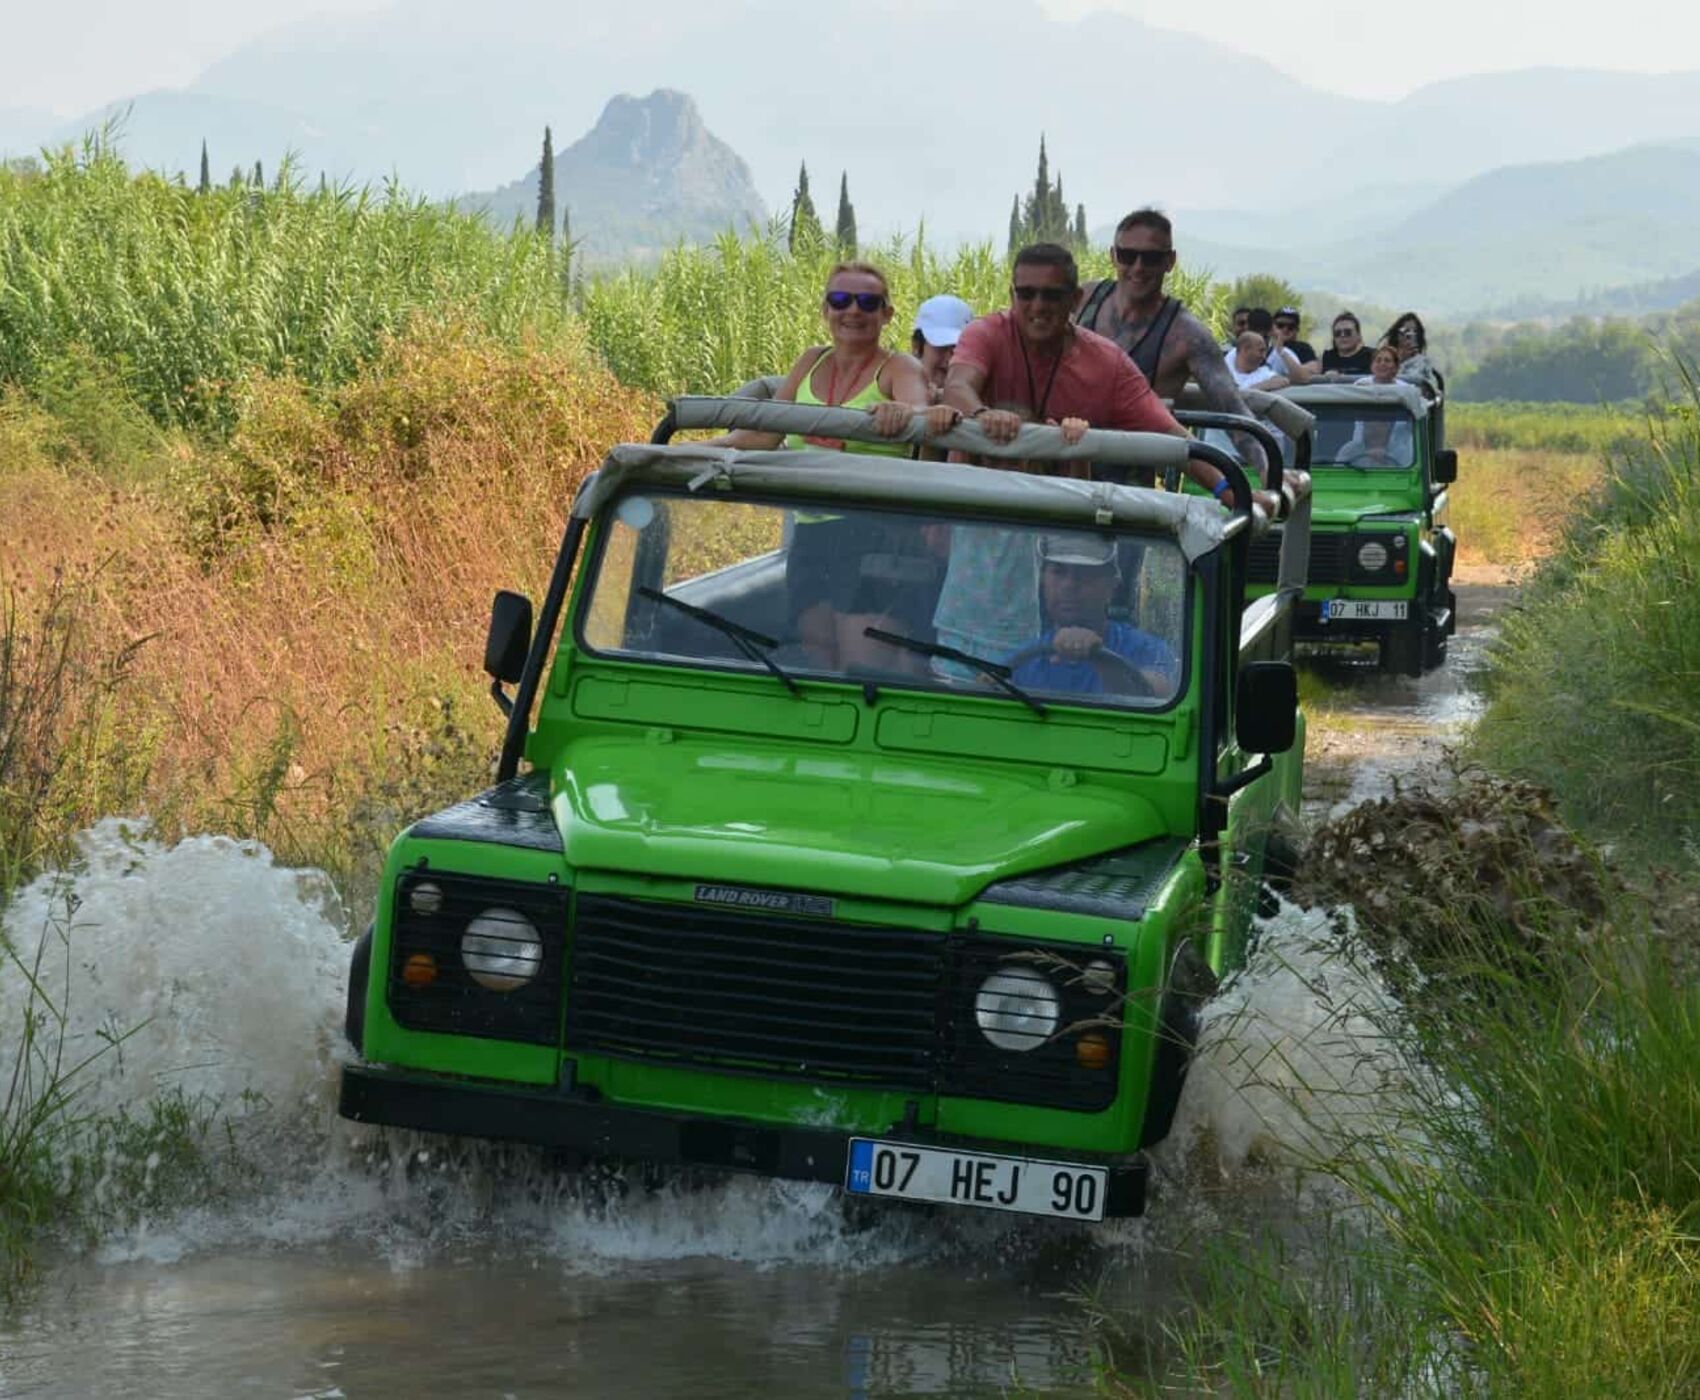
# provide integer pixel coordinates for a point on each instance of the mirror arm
(1227, 787)
(500, 696)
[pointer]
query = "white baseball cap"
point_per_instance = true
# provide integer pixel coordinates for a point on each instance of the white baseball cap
(1078, 548)
(940, 320)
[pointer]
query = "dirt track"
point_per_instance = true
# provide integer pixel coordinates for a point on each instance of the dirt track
(1370, 729)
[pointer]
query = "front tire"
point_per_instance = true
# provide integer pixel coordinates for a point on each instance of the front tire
(359, 972)
(1402, 651)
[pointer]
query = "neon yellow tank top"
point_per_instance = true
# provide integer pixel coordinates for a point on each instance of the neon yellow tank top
(867, 398)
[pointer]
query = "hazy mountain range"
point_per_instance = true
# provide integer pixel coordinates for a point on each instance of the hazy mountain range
(933, 107)
(1523, 239)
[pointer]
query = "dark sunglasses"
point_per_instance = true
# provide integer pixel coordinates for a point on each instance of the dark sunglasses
(1286, 325)
(1151, 257)
(865, 301)
(1049, 295)
(1340, 331)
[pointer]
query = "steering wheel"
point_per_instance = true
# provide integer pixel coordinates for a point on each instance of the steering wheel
(1129, 679)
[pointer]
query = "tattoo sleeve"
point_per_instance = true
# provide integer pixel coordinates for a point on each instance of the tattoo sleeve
(1204, 359)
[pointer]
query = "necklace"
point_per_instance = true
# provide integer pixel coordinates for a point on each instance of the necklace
(832, 399)
(1027, 364)
(832, 444)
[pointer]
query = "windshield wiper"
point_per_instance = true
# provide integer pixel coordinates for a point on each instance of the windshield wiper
(998, 675)
(755, 645)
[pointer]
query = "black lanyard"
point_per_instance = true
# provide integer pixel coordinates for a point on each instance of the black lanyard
(1026, 364)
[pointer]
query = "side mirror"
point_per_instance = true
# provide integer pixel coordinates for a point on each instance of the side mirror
(509, 638)
(1266, 707)
(1446, 465)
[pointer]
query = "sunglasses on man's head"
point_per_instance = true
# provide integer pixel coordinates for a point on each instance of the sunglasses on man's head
(1049, 295)
(865, 301)
(1151, 257)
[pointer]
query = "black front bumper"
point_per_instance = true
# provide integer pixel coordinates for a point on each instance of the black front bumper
(573, 1121)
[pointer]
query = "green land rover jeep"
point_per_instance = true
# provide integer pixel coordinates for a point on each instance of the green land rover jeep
(798, 882)
(1381, 552)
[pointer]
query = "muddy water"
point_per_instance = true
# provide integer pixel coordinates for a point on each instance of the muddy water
(343, 1262)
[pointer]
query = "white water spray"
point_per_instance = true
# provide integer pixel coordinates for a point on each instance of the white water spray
(221, 974)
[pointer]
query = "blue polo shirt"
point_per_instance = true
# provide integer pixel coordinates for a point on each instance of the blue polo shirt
(1141, 649)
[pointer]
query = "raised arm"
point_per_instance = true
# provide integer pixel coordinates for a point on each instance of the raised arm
(751, 440)
(1221, 394)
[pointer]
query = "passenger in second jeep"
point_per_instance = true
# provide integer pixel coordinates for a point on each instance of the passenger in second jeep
(1082, 650)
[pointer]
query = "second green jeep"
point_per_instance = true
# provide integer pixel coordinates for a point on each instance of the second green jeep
(1381, 552)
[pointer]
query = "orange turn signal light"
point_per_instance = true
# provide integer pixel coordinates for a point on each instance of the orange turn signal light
(1092, 1051)
(420, 970)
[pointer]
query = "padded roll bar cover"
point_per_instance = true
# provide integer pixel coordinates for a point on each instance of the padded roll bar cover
(1286, 415)
(1157, 452)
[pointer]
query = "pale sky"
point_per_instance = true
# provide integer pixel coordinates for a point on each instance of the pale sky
(69, 57)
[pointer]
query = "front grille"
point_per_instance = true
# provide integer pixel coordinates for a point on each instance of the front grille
(453, 1002)
(806, 998)
(826, 1001)
(1328, 554)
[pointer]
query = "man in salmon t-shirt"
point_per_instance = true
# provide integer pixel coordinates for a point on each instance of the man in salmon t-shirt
(1032, 356)
(1064, 374)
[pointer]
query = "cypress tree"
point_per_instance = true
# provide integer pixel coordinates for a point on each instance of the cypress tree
(1080, 225)
(546, 187)
(566, 251)
(846, 218)
(205, 187)
(1017, 234)
(805, 223)
(1041, 193)
(259, 177)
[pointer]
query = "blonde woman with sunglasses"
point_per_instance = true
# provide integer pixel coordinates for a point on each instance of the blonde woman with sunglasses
(855, 370)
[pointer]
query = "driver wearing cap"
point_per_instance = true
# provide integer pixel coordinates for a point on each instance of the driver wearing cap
(1082, 649)
(939, 322)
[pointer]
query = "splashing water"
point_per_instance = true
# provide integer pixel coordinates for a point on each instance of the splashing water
(222, 975)
(1301, 1053)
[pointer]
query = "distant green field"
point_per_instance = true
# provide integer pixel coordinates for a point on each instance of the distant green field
(1546, 427)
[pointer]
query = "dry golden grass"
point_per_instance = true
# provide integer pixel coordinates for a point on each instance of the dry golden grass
(1509, 505)
(315, 593)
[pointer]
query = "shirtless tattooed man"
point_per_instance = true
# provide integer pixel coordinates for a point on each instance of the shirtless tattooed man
(1167, 342)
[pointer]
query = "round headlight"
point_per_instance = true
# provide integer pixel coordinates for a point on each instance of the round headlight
(1017, 1010)
(1099, 977)
(426, 898)
(1372, 556)
(501, 950)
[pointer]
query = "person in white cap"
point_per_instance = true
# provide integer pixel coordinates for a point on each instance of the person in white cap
(1082, 649)
(938, 325)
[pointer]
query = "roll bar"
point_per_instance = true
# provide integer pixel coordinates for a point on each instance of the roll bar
(1238, 423)
(1155, 452)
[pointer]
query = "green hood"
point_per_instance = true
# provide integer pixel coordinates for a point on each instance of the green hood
(894, 827)
(1342, 499)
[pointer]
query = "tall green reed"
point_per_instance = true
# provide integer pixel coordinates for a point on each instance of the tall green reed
(1595, 684)
(710, 318)
(184, 293)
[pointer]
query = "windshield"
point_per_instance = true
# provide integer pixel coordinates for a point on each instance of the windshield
(1363, 436)
(1011, 611)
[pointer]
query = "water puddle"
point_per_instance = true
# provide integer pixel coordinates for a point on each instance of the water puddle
(343, 1261)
